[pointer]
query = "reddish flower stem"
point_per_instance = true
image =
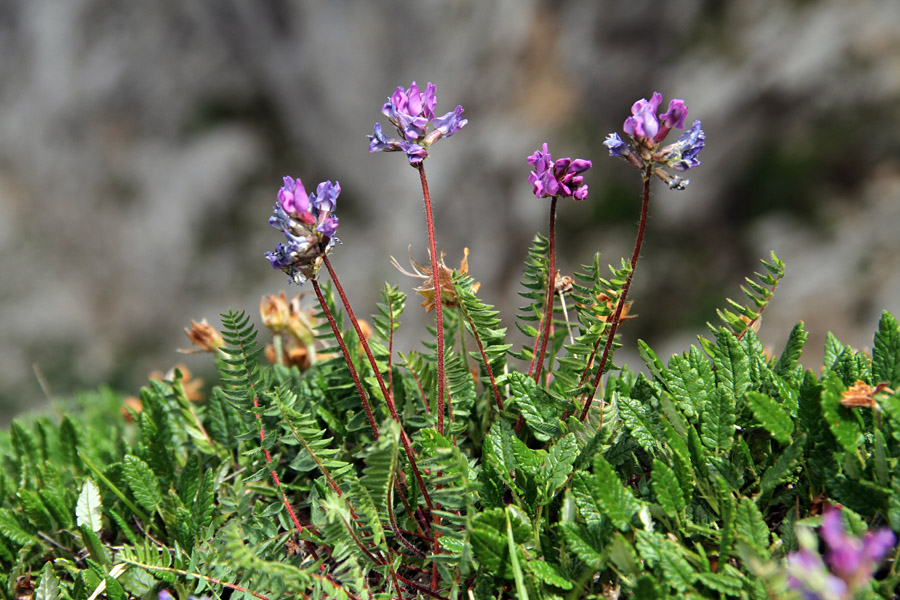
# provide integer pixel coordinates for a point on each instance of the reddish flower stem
(551, 292)
(347, 359)
(404, 439)
(484, 358)
(438, 308)
(275, 480)
(645, 203)
(362, 338)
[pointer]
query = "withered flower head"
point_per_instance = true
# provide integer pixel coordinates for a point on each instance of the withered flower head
(426, 290)
(610, 303)
(862, 395)
(562, 284)
(193, 388)
(204, 336)
(293, 354)
(301, 324)
(275, 312)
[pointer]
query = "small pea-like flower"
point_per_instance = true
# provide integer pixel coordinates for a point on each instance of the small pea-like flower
(308, 222)
(557, 178)
(411, 112)
(647, 129)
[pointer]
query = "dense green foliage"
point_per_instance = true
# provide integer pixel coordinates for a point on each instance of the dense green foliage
(688, 480)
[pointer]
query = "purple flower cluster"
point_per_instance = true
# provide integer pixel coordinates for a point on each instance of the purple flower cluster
(646, 129)
(849, 561)
(308, 222)
(411, 111)
(561, 177)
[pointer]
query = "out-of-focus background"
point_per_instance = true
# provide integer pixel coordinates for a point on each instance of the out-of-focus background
(142, 144)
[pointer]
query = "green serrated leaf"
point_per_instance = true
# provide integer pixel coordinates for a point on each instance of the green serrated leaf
(717, 431)
(89, 508)
(651, 360)
(48, 588)
(886, 351)
(793, 349)
(558, 464)
(783, 468)
(751, 528)
(549, 574)
(587, 542)
(772, 416)
(633, 415)
(143, 483)
(667, 489)
(732, 365)
(604, 495)
(842, 422)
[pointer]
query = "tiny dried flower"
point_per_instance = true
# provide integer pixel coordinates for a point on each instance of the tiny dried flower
(411, 112)
(292, 354)
(308, 222)
(562, 284)
(561, 177)
(426, 290)
(204, 336)
(862, 395)
(609, 302)
(646, 131)
(275, 312)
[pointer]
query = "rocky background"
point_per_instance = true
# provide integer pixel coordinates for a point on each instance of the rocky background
(141, 146)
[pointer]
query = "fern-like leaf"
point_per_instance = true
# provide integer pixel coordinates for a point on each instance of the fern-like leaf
(759, 291)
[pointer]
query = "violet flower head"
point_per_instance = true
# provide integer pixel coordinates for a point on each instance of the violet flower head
(557, 178)
(682, 155)
(851, 558)
(647, 128)
(643, 125)
(849, 561)
(411, 112)
(308, 223)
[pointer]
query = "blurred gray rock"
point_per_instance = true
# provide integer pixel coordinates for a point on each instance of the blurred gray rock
(141, 146)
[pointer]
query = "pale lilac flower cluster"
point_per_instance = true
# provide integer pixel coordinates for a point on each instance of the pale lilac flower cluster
(411, 112)
(560, 177)
(308, 222)
(647, 129)
(849, 561)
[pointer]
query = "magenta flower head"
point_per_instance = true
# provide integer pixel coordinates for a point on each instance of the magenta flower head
(411, 112)
(557, 178)
(308, 222)
(647, 129)
(851, 558)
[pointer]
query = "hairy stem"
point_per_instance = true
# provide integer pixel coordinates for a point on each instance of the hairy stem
(620, 305)
(551, 292)
(347, 359)
(439, 314)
